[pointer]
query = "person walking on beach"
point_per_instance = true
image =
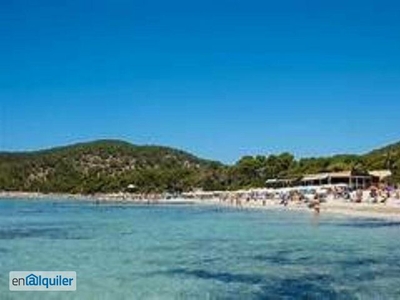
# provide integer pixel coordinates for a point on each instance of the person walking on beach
(359, 196)
(317, 204)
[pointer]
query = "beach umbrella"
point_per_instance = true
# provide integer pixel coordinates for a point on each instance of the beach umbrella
(131, 187)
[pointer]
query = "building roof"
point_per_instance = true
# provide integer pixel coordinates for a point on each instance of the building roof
(382, 174)
(323, 176)
(343, 174)
(312, 177)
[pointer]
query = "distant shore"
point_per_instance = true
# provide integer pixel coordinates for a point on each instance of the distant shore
(390, 210)
(100, 198)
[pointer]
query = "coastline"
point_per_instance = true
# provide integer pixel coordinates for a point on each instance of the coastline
(390, 211)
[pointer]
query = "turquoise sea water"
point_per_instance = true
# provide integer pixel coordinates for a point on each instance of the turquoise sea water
(122, 251)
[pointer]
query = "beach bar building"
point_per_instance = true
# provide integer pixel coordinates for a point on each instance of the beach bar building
(353, 179)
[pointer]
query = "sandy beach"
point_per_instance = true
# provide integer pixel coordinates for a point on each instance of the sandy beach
(337, 206)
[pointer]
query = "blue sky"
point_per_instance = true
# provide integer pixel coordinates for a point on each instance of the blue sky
(218, 78)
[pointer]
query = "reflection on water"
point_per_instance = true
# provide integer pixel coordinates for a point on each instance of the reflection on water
(199, 252)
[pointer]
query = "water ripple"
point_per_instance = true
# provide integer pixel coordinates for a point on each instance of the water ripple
(47, 232)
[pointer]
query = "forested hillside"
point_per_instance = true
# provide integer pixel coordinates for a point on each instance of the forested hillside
(103, 166)
(110, 166)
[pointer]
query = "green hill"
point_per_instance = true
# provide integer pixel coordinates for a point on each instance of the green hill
(103, 166)
(111, 165)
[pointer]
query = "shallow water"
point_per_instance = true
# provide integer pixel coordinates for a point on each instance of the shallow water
(122, 251)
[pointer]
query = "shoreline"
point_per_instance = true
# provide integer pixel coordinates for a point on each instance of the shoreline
(334, 207)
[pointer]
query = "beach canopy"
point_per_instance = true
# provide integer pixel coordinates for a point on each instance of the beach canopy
(315, 177)
(381, 174)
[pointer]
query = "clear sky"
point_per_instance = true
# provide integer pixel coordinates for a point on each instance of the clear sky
(218, 78)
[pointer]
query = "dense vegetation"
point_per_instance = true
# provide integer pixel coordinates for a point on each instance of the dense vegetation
(102, 166)
(110, 166)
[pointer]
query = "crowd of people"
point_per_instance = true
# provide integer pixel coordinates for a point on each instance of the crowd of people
(313, 196)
